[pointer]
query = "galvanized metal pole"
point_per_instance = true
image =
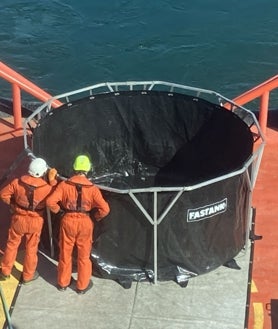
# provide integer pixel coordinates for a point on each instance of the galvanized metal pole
(155, 235)
(50, 233)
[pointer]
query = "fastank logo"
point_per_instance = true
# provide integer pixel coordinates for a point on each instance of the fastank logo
(201, 213)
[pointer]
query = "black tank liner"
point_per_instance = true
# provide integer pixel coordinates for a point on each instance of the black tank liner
(169, 165)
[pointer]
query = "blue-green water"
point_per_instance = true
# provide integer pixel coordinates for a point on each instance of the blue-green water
(227, 46)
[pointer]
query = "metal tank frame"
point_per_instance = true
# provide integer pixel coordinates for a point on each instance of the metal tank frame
(250, 166)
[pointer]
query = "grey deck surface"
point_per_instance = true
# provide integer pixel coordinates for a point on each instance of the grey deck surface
(216, 300)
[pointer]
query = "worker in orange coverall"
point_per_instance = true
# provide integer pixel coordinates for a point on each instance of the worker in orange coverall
(26, 197)
(76, 197)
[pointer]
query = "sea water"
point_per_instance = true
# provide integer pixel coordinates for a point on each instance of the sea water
(63, 45)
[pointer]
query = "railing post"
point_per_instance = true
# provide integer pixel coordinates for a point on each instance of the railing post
(19, 83)
(17, 106)
(264, 111)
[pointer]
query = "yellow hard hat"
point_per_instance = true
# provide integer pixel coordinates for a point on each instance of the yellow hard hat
(82, 163)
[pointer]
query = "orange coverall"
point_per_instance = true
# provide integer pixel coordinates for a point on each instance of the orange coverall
(76, 226)
(24, 222)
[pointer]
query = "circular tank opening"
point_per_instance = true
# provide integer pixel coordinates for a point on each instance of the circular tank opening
(145, 139)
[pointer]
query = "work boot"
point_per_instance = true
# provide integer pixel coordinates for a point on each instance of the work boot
(64, 288)
(36, 275)
(3, 277)
(60, 288)
(82, 292)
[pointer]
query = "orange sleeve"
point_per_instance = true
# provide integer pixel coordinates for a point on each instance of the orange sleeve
(100, 204)
(8, 192)
(54, 198)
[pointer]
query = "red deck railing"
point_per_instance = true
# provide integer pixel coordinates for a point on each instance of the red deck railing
(18, 82)
(261, 91)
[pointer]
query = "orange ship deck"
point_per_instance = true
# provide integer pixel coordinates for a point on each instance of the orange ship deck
(264, 288)
(264, 296)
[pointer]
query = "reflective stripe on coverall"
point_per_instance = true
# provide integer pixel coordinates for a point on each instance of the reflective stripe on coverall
(76, 227)
(24, 222)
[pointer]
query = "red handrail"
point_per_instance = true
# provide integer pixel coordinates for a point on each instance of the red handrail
(19, 82)
(262, 90)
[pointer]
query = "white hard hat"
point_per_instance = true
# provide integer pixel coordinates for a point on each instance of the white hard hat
(37, 167)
